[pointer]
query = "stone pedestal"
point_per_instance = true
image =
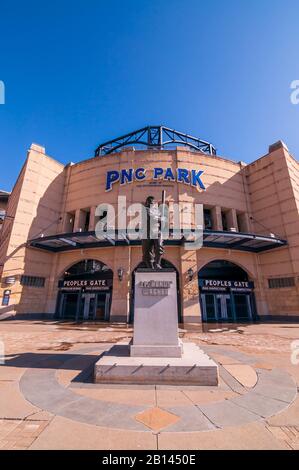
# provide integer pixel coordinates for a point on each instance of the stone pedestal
(156, 356)
(155, 315)
(195, 367)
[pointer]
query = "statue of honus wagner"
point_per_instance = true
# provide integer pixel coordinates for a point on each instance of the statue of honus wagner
(152, 241)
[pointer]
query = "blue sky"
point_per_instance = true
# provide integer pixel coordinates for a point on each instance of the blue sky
(79, 73)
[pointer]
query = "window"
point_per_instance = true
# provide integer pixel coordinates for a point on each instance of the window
(86, 221)
(6, 297)
(208, 219)
(281, 282)
(69, 222)
(224, 221)
(32, 281)
(242, 222)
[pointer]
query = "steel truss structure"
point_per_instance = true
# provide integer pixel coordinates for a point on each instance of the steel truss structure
(155, 137)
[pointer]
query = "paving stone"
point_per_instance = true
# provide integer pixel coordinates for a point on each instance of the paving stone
(253, 436)
(156, 418)
(23, 435)
(11, 373)
(12, 403)
(200, 397)
(243, 373)
(191, 419)
(227, 413)
(65, 377)
(41, 388)
(221, 359)
(232, 383)
(259, 405)
(118, 395)
(6, 426)
(66, 434)
(276, 384)
(263, 365)
(288, 417)
(236, 355)
(105, 414)
(94, 386)
(167, 398)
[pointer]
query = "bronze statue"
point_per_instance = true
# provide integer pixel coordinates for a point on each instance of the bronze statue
(152, 242)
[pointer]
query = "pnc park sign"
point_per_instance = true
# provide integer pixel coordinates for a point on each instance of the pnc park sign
(181, 175)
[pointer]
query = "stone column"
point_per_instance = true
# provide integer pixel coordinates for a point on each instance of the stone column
(77, 220)
(120, 307)
(216, 217)
(245, 223)
(191, 311)
(232, 221)
(92, 219)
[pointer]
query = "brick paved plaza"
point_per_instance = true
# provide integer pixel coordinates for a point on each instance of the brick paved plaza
(48, 400)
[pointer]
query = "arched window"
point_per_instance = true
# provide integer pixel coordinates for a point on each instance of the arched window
(89, 268)
(222, 269)
(226, 293)
(85, 291)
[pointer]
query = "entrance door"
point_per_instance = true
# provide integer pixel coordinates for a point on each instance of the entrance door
(243, 307)
(219, 308)
(91, 306)
(224, 307)
(102, 306)
(69, 306)
(223, 304)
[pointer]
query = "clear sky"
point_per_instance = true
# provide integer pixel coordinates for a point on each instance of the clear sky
(80, 72)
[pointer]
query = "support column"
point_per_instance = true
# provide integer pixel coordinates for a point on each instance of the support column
(191, 310)
(232, 220)
(246, 223)
(120, 307)
(216, 217)
(78, 306)
(92, 219)
(77, 220)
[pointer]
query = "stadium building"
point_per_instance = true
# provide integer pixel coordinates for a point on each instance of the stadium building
(52, 262)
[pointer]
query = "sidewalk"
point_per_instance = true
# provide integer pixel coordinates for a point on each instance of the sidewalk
(48, 400)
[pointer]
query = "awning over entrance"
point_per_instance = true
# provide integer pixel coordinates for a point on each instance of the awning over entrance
(213, 239)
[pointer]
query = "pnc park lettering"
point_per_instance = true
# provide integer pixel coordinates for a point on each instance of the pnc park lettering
(181, 175)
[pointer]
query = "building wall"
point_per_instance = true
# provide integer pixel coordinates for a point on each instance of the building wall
(35, 207)
(273, 185)
(47, 196)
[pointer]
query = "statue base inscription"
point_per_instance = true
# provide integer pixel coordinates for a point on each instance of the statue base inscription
(156, 315)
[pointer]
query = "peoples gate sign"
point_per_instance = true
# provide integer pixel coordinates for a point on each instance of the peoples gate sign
(181, 175)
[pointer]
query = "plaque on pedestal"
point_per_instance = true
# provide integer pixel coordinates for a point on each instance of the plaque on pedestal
(155, 314)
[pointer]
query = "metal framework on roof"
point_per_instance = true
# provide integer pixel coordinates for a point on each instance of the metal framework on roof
(211, 238)
(157, 137)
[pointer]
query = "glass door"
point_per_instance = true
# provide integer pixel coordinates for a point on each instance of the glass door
(208, 307)
(69, 306)
(243, 307)
(102, 306)
(217, 307)
(224, 310)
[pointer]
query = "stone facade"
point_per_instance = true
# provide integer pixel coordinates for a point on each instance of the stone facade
(50, 198)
